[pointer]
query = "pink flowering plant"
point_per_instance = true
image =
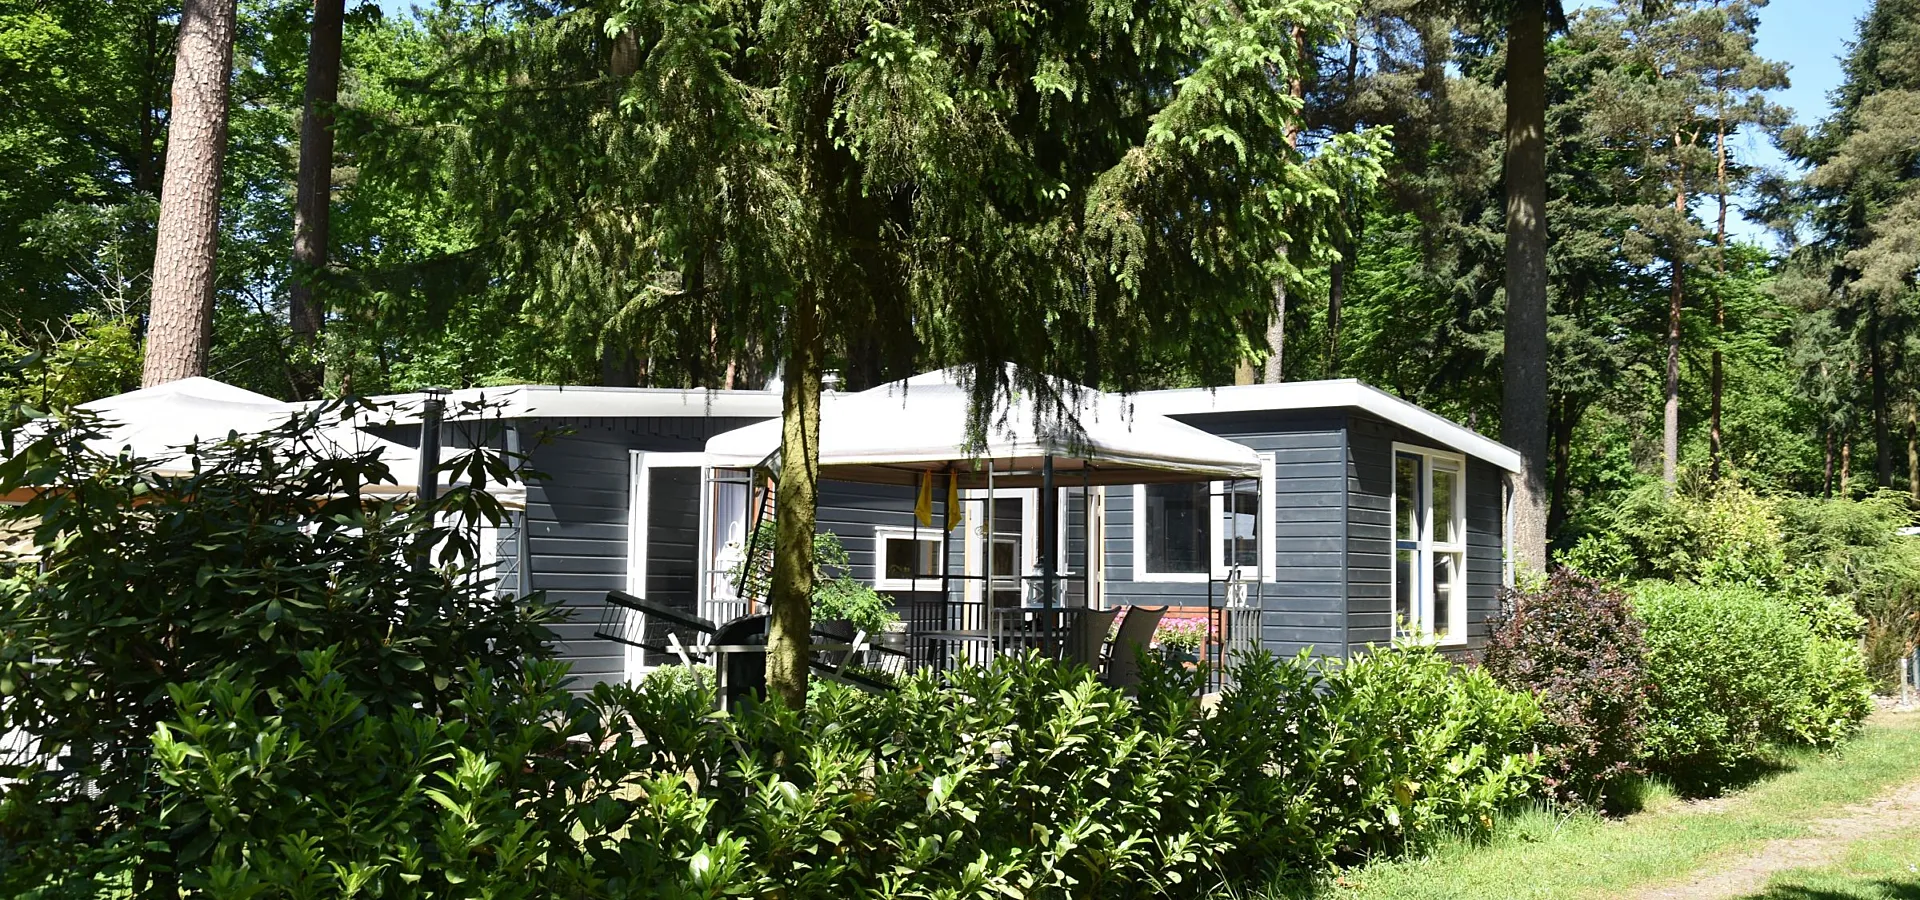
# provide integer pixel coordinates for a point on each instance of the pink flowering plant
(1181, 635)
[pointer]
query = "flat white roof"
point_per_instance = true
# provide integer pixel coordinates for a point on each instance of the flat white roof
(1346, 393)
(523, 401)
(894, 433)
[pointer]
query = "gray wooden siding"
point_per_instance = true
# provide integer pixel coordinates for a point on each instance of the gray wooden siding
(1370, 481)
(577, 519)
(1304, 607)
(1486, 553)
(852, 511)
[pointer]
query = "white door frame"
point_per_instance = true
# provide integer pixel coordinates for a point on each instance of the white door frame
(974, 532)
(641, 463)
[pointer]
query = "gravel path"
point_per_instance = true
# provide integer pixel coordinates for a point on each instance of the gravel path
(1747, 875)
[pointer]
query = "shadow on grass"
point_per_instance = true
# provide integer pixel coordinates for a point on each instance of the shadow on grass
(1882, 889)
(1701, 783)
(1291, 888)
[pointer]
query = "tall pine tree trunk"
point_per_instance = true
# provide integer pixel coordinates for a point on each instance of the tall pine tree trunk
(1826, 477)
(1846, 463)
(1275, 371)
(1670, 419)
(1676, 297)
(180, 327)
(1337, 273)
(313, 195)
(791, 619)
(1882, 432)
(1717, 376)
(1336, 296)
(1523, 406)
(1913, 451)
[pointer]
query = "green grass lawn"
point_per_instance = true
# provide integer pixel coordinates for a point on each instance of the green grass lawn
(1541, 855)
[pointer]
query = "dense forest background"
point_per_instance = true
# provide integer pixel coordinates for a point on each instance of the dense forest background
(477, 235)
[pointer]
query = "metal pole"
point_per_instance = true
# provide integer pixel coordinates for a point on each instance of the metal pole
(433, 408)
(1049, 523)
(986, 589)
(1086, 542)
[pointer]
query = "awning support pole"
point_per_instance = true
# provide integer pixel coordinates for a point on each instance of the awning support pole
(433, 407)
(1049, 525)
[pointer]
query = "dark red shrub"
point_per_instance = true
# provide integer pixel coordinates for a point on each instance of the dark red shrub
(1577, 645)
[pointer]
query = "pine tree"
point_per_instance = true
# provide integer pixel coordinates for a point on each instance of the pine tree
(181, 327)
(1093, 191)
(313, 199)
(1658, 106)
(1739, 79)
(1863, 198)
(1523, 406)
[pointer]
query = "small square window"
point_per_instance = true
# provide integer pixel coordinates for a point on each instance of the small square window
(906, 561)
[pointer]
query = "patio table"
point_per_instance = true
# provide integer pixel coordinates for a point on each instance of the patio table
(1041, 628)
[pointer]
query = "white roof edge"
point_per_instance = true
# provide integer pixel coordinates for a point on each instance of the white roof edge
(521, 401)
(1342, 393)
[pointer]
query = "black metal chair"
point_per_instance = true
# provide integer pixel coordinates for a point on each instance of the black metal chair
(849, 655)
(740, 657)
(657, 628)
(737, 649)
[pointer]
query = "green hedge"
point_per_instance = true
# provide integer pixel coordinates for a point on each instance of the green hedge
(1026, 778)
(1576, 645)
(1736, 673)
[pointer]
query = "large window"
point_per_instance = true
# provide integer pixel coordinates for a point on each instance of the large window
(1189, 532)
(1429, 546)
(905, 560)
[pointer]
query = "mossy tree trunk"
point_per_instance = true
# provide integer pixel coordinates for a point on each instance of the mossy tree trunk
(794, 508)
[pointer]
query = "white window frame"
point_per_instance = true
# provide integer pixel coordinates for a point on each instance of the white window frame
(487, 552)
(1425, 548)
(1216, 511)
(639, 486)
(978, 528)
(930, 582)
(973, 542)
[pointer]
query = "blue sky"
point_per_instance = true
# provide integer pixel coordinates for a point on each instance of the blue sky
(1811, 36)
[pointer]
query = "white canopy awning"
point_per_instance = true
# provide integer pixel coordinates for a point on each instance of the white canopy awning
(893, 433)
(159, 422)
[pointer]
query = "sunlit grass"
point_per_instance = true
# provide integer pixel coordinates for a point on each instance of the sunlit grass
(1544, 854)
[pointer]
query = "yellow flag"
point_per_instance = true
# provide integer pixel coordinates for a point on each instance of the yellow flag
(923, 505)
(953, 502)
